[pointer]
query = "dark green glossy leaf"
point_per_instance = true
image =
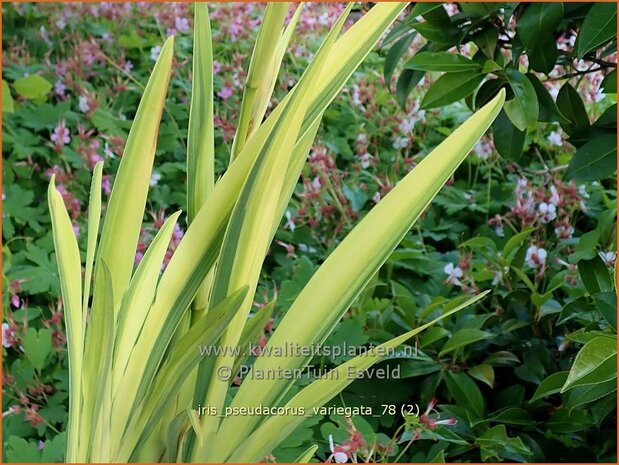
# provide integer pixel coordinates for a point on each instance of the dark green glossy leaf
(501, 357)
(487, 39)
(543, 57)
(444, 35)
(451, 87)
(572, 107)
(609, 84)
(463, 338)
(595, 160)
(480, 9)
(589, 359)
(579, 308)
(551, 385)
(538, 20)
(595, 275)
(407, 81)
(465, 392)
(495, 444)
(608, 119)
(483, 373)
(523, 109)
(397, 50)
(548, 110)
(441, 61)
(433, 13)
(508, 139)
(606, 303)
(512, 416)
(583, 395)
(599, 26)
(566, 421)
(488, 90)
(604, 372)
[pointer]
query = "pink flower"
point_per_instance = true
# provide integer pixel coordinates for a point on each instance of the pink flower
(7, 335)
(432, 423)
(61, 135)
(60, 88)
(563, 231)
(181, 24)
(336, 452)
(235, 30)
(225, 93)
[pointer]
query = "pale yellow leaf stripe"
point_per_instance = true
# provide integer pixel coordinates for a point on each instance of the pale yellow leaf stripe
(70, 272)
(347, 270)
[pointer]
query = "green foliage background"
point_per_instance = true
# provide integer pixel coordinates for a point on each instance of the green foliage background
(529, 373)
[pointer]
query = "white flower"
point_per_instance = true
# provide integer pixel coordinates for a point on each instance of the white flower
(582, 190)
(316, 183)
(498, 276)
(339, 456)
(572, 40)
(376, 197)
(356, 96)
(365, 160)
(407, 125)
(7, 332)
(555, 139)
(521, 185)
(108, 151)
(154, 52)
(453, 273)
(83, 104)
(499, 230)
(305, 248)
(154, 178)
(400, 142)
(554, 91)
(564, 232)
(547, 212)
(608, 257)
(289, 223)
(536, 256)
(483, 149)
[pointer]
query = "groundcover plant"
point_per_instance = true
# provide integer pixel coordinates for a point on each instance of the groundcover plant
(236, 336)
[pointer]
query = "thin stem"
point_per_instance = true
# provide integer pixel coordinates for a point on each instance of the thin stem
(575, 74)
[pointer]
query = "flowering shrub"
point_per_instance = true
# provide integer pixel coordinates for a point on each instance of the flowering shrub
(510, 373)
